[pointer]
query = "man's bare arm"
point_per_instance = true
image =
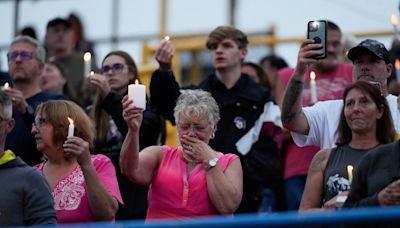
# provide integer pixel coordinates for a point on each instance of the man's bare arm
(293, 117)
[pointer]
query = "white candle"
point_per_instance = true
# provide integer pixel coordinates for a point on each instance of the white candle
(397, 66)
(87, 59)
(313, 88)
(71, 128)
(137, 93)
(394, 21)
(350, 173)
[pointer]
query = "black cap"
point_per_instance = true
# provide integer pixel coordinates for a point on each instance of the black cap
(374, 47)
(58, 21)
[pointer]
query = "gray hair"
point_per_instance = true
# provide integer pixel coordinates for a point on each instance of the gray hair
(197, 103)
(6, 103)
(40, 52)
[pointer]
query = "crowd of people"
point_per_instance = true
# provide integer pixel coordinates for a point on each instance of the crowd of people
(252, 139)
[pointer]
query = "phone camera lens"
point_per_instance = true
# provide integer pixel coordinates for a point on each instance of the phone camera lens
(317, 40)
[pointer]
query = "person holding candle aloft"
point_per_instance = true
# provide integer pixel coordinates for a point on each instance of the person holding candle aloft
(191, 180)
(84, 186)
(249, 126)
(118, 72)
(365, 123)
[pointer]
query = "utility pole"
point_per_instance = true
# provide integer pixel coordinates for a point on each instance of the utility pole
(232, 12)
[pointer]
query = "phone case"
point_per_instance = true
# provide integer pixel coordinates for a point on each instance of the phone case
(317, 31)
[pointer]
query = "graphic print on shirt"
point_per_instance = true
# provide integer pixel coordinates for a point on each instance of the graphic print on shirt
(69, 191)
(240, 122)
(337, 184)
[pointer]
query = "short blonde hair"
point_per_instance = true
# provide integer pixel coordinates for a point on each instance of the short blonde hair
(197, 103)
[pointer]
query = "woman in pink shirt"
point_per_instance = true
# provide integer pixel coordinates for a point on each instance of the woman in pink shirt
(84, 186)
(188, 181)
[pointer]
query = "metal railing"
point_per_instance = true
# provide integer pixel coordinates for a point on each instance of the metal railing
(370, 216)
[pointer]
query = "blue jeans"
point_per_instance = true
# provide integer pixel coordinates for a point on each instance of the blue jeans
(268, 202)
(294, 188)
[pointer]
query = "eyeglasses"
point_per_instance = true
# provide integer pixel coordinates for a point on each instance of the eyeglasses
(116, 68)
(38, 123)
(24, 55)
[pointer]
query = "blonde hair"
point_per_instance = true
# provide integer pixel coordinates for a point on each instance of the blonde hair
(197, 103)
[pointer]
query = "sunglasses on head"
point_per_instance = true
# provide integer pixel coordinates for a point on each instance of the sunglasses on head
(24, 56)
(377, 85)
(116, 68)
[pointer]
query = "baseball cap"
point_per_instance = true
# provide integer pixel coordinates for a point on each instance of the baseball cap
(58, 21)
(374, 47)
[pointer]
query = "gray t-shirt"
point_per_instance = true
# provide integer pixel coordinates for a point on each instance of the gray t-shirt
(335, 174)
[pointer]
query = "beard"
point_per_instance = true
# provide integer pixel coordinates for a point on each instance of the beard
(329, 63)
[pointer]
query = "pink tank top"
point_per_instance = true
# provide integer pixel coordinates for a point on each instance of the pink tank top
(174, 195)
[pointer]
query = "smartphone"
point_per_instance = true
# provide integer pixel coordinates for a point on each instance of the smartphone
(316, 30)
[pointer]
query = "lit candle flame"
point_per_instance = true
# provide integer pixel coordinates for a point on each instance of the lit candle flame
(136, 82)
(397, 64)
(87, 57)
(394, 20)
(91, 72)
(312, 75)
(71, 128)
(6, 85)
(350, 172)
(166, 38)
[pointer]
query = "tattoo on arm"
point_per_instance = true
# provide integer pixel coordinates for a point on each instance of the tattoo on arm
(293, 95)
(318, 160)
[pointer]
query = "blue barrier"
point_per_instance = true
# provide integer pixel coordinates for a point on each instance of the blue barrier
(284, 219)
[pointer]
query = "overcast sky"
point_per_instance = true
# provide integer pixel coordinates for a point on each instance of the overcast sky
(141, 17)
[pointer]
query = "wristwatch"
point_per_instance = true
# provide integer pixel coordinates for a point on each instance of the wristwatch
(212, 163)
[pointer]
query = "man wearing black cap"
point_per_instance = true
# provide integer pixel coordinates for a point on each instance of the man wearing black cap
(316, 125)
(58, 43)
(58, 38)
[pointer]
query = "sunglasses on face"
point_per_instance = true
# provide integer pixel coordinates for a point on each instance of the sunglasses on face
(116, 68)
(24, 56)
